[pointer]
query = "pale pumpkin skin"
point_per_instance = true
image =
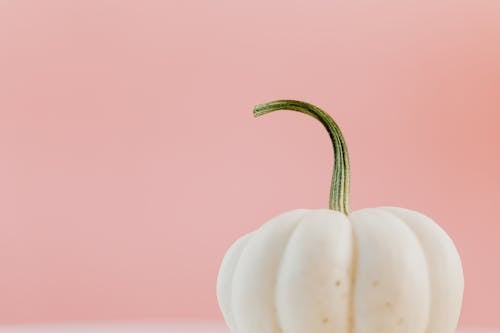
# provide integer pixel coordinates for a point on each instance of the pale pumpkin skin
(377, 270)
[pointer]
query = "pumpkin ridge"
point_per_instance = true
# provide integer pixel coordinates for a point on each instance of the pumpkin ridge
(446, 292)
(279, 269)
(353, 272)
(429, 284)
(248, 237)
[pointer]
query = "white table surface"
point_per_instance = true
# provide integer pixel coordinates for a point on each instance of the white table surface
(143, 328)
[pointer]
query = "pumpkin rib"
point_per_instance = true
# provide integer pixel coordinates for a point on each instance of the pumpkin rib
(447, 292)
(265, 263)
(244, 240)
(353, 272)
(389, 280)
(279, 269)
(424, 252)
(313, 286)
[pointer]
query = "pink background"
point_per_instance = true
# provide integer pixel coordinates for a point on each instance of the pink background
(130, 161)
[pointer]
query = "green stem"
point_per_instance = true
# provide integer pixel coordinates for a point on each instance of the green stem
(339, 190)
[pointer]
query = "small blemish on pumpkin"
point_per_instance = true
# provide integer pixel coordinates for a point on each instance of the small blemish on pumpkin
(388, 305)
(325, 320)
(337, 283)
(375, 283)
(401, 321)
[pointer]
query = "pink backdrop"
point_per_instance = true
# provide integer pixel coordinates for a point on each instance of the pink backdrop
(130, 161)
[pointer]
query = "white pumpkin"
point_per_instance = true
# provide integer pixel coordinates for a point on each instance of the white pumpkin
(375, 270)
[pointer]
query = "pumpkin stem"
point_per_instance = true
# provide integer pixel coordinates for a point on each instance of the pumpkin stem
(339, 190)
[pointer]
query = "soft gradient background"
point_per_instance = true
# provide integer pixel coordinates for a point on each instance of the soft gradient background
(130, 161)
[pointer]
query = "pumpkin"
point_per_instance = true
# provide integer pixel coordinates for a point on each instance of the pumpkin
(374, 270)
